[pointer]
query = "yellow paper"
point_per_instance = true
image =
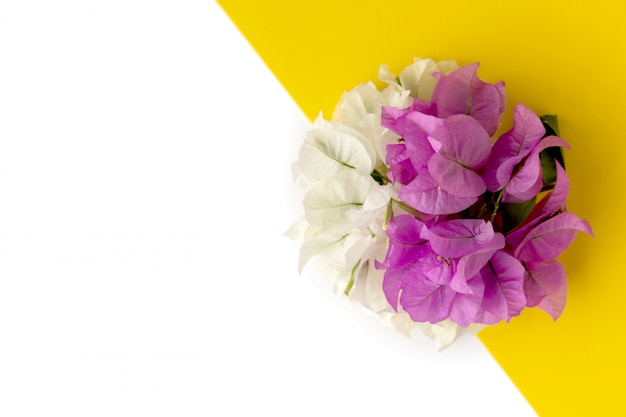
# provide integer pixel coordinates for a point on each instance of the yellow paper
(555, 57)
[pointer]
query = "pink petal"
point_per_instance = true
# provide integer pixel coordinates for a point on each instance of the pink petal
(402, 122)
(427, 123)
(419, 150)
(462, 146)
(470, 265)
(392, 284)
(558, 196)
(405, 243)
(545, 285)
(401, 166)
(502, 93)
(463, 140)
(526, 183)
(435, 269)
(512, 147)
(455, 178)
(462, 92)
(549, 239)
(549, 205)
(425, 301)
(426, 196)
(504, 292)
(456, 238)
(392, 117)
(465, 306)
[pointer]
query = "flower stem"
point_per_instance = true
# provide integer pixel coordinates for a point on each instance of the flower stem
(351, 282)
(409, 209)
(388, 216)
(482, 211)
(497, 205)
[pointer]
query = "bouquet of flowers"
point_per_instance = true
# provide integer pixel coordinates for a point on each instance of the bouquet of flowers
(424, 214)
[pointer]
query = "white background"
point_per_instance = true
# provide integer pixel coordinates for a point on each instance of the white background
(144, 192)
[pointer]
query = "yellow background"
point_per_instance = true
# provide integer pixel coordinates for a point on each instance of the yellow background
(556, 57)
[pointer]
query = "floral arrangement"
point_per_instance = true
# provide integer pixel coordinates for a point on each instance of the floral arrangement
(427, 217)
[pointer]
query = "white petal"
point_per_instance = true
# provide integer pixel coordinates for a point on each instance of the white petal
(443, 333)
(297, 230)
(447, 66)
(411, 76)
(331, 247)
(372, 213)
(373, 290)
(326, 202)
(320, 243)
(330, 148)
(418, 77)
(399, 98)
(387, 76)
(357, 103)
(360, 109)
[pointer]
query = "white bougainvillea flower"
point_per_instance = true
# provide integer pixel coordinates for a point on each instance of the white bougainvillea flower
(342, 217)
(337, 161)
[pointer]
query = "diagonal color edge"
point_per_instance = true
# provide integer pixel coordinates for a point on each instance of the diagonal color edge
(556, 60)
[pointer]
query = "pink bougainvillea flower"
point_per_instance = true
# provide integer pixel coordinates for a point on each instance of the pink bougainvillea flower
(514, 163)
(445, 155)
(462, 92)
(459, 269)
(454, 210)
(408, 163)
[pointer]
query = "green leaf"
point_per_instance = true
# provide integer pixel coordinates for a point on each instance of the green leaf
(379, 178)
(548, 155)
(551, 124)
(514, 214)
